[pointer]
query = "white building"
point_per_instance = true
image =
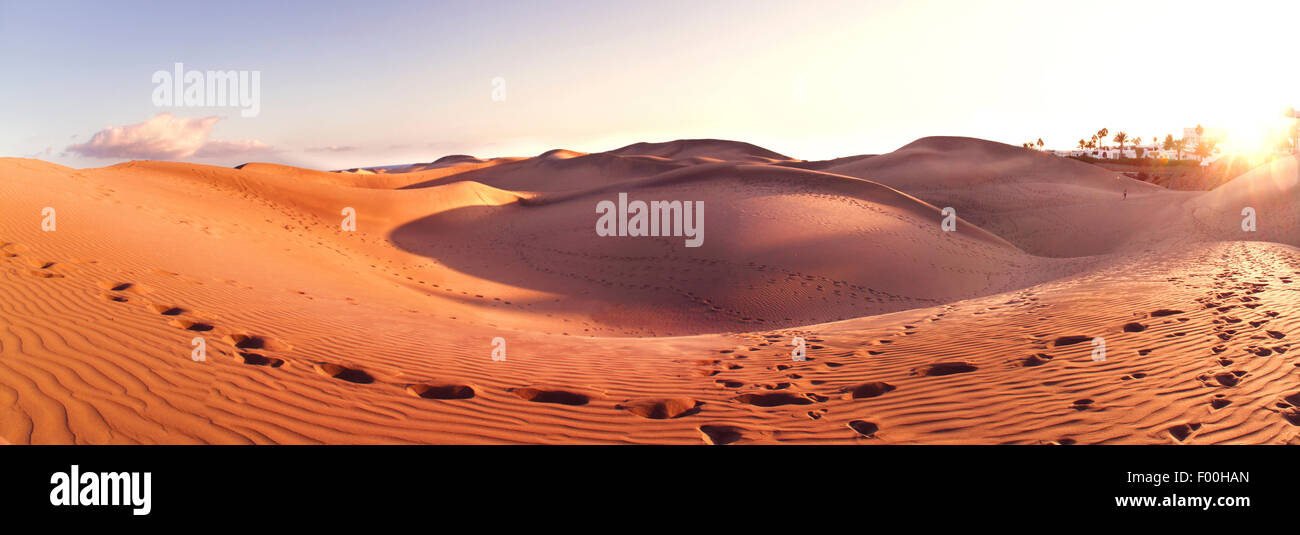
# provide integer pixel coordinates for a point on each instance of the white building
(1191, 139)
(1108, 153)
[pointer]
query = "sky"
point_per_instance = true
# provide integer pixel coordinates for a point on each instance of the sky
(368, 83)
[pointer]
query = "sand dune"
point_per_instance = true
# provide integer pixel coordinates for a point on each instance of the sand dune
(564, 170)
(568, 171)
(453, 160)
(316, 334)
(784, 247)
(1270, 190)
(714, 149)
(1045, 205)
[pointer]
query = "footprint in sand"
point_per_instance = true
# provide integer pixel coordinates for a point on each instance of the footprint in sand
(165, 310)
(42, 274)
(119, 286)
(1037, 359)
(251, 341)
(721, 435)
(254, 359)
(940, 369)
(1226, 379)
(441, 391)
(190, 325)
(1289, 410)
(1181, 432)
(343, 373)
(867, 390)
(864, 428)
(775, 399)
(1071, 340)
(561, 397)
(661, 409)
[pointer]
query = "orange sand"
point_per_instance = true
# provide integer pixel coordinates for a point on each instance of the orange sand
(384, 335)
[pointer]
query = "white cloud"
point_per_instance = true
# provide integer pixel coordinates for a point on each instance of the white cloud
(163, 137)
(333, 148)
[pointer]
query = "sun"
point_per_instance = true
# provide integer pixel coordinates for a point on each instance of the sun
(1256, 132)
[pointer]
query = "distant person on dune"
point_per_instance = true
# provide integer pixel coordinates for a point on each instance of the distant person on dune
(1125, 194)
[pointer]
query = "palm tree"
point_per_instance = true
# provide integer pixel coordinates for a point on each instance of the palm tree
(1169, 142)
(1137, 146)
(1101, 137)
(1204, 149)
(1040, 143)
(1082, 144)
(1120, 138)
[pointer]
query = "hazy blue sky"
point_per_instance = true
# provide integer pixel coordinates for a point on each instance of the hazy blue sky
(347, 84)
